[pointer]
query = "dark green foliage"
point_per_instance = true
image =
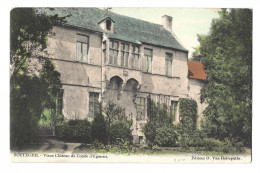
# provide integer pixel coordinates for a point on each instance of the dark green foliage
(29, 94)
(118, 124)
(120, 132)
(159, 130)
(53, 92)
(166, 136)
(225, 146)
(25, 111)
(188, 134)
(99, 129)
(188, 113)
(149, 131)
(74, 131)
(28, 98)
(227, 58)
(28, 26)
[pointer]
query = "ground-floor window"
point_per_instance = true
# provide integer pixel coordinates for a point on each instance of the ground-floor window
(140, 108)
(174, 105)
(93, 104)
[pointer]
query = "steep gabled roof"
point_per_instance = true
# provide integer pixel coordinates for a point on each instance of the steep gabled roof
(196, 70)
(125, 28)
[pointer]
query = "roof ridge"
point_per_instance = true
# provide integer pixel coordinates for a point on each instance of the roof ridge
(130, 17)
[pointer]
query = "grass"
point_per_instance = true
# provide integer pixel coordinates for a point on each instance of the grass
(57, 146)
(88, 148)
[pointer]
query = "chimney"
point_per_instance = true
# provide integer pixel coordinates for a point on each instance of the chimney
(167, 22)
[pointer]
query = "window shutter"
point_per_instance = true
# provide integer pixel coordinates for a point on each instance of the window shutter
(78, 49)
(149, 61)
(84, 52)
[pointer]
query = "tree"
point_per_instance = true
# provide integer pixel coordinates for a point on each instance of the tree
(118, 125)
(29, 92)
(99, 127)
(227, 58)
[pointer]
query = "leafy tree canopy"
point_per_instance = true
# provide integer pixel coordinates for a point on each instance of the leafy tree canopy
(30, 94)
(227, 58)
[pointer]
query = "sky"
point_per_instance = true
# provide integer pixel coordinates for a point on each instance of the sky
(187, 22)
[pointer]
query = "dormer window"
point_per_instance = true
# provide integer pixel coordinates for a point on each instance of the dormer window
(107, 25)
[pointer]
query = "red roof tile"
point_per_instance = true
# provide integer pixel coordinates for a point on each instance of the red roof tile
(196, 70)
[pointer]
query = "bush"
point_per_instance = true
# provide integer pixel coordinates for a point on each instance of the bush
(212, 144)
(74, 131)
(118, 124)
(225, 146)
(188, 113)
(150, 133)
(120, 132)
(240, 147)
(99, 129)
(189, 136)
(166, 136)
(162, 136)
(159, 130)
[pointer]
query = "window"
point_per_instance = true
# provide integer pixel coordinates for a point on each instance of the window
(113, 52)
(93, 104)
(173, 109)
(134, 62)
(168, 64)
(82, 45)
(108, 25)
(140, 108)
(148, 54)
(124, 54)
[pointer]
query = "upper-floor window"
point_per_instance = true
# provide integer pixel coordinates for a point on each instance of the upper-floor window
(168, 64)
(93, 104)
(82, 46)
(124, 54)
(108, 25)
(113, 52)
(148, 54)
(135, 54)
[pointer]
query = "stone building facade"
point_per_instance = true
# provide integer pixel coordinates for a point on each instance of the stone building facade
(197, 77)
(103, 56)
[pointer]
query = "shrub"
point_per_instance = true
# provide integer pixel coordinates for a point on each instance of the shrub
(99, 129)
(74, 131)
(150, 133)
(120, 132)
(225, 146)
(159, 130)
(240, 147)
(118, 125)
(188, 113)
(189, 136)
(166, 136)
(212, 144)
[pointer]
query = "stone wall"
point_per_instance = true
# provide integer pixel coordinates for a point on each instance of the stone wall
(195, 93)
(81, 78)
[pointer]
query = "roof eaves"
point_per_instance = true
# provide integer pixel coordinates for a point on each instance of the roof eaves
(168, 47)
(81, 28)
